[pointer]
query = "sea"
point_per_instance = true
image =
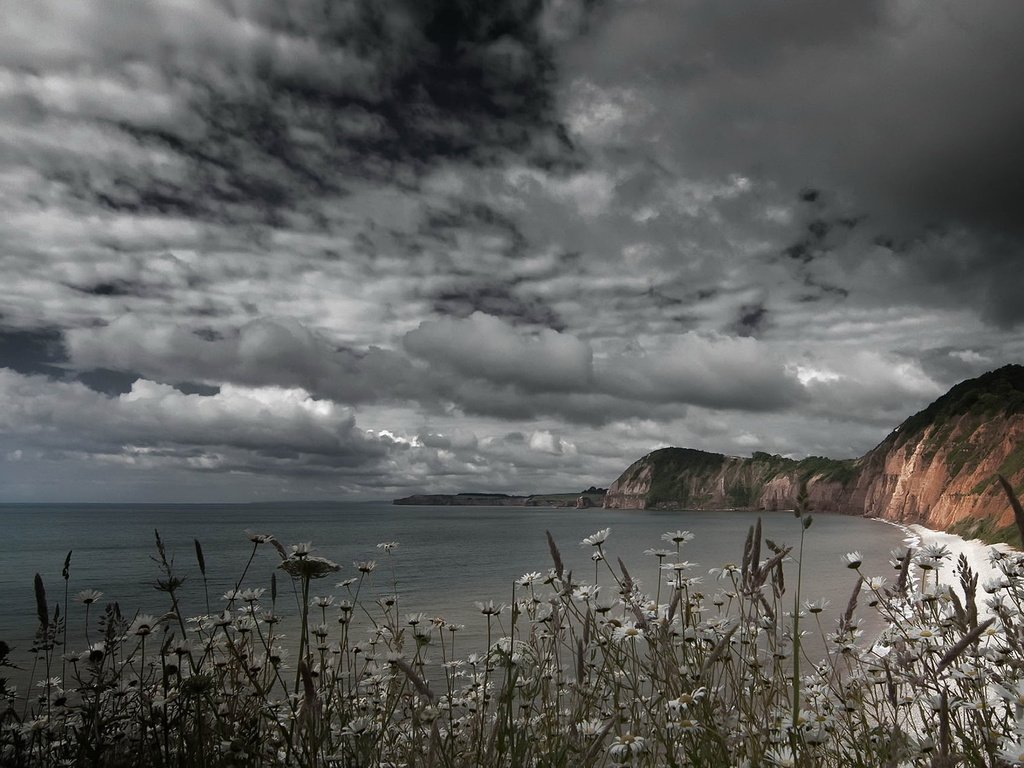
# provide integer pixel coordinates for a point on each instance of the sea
(447, 558)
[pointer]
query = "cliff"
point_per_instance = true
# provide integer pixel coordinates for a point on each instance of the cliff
(938, 468)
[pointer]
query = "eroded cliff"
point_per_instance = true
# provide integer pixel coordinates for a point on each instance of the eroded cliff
(938, 468)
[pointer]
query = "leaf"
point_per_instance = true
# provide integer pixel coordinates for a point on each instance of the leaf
(556, 556)
(199, 557)
(42, 611)
(1018, 511)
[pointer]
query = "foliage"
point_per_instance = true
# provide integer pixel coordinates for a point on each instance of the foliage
(994, 393)
(1013, 464)
(674, 472)
(572, 673)
(682, 477)
(986, 529)
(842, 471)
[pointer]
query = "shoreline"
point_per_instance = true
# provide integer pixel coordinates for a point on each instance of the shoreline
(976, 551)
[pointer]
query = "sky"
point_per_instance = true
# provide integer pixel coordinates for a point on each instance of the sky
(329, 249)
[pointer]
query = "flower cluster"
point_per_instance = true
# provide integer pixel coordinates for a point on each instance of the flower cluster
(573, 672)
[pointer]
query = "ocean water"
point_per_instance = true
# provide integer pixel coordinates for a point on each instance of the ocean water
(448, 557)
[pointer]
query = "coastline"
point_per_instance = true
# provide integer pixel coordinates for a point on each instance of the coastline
(976, 551)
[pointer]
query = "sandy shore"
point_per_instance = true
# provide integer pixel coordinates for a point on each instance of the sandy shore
(976, 551)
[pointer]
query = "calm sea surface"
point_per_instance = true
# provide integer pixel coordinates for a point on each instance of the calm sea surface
(448, 557)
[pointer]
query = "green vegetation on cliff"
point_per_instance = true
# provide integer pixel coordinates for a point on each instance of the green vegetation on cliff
(1013, 463)
(685, 477)
(673, 471)
(842, 471)
(998, 392)
(987, 530)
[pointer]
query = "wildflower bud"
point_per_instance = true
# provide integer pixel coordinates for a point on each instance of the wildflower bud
(42, 610)
(199, 557)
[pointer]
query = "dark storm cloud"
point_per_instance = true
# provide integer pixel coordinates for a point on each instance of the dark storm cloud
(753, 318)
(448, 225)
(42, 351)
(32, 351)
(463, 298)
(905, 113)
(107, 381)
(111, 288)
(260, 108)
(951, 365)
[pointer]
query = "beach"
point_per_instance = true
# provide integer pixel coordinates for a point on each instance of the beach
(977, 552)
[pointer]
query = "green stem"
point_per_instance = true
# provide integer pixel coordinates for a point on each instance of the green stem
(305, 627)
(796, 627)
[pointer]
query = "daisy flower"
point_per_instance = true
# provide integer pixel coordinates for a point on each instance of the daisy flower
(677, 537)
(661, 554)
(143, 625)
(1012, 751)
(816, 606)
(626, 746)
(853, 560)
(529, 578)
(88, 596)
(596, 539)
(627, 633)
(489, 608)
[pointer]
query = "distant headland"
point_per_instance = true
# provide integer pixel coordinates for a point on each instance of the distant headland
(591, 497)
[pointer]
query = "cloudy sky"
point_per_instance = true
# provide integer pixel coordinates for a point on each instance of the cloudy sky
(330, 248)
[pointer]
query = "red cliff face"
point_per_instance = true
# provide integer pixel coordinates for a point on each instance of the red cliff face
(947, 474)
(938, 468)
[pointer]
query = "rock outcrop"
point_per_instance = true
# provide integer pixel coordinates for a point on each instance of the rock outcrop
(938, 468)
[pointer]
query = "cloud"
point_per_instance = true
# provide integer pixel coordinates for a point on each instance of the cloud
(708, 370)
(878, 388)
(484, 347)
(240, 110)
(853, 101)
(265, 352)
(480, 363)
(286, 424)
(462, 298)
(502, 238)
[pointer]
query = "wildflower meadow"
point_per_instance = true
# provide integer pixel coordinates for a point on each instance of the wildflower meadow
(709, 667)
